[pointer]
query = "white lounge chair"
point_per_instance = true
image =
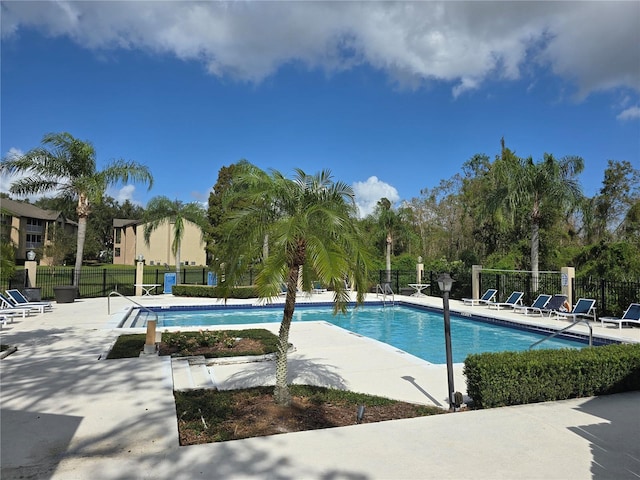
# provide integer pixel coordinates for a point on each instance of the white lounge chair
(584, 308)
(11, 310)
(488, 296)
(20, 300)
(630, 316)
(514, 299)
(535, 307)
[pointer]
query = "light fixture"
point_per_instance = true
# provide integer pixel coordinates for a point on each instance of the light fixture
(31, 255)
(445, 282)
(419, 258)
(141, 258)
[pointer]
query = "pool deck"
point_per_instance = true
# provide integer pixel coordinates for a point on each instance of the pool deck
(65, 414)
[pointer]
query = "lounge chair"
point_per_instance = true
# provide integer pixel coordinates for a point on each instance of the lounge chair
(318, 288)
(20, 300)
(631, 315)
(556, 304)
(584, 308)
(535, 307)
(488, 296)
(514, 299)
(10, 309)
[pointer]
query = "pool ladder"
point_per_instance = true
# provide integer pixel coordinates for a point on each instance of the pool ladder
(586, 322)
(142, 307)
(385, 290)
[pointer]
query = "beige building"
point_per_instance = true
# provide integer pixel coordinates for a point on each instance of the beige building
(129, 244)
(30, 228)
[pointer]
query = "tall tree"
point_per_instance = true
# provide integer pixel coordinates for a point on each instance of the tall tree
(67, 166)
(310, 224)
(525, 186)
(161, 211)
(387, 220)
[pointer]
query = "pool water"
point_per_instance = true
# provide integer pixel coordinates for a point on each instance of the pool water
(416, 331)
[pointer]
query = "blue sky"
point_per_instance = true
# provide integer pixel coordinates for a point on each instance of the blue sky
(391, 97)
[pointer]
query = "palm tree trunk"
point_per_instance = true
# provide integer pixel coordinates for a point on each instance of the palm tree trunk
(82, 234)
(281, 393)
(535, 250)
(177, 257)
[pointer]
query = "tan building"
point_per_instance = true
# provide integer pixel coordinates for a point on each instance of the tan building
(129, 244)
(30, 228)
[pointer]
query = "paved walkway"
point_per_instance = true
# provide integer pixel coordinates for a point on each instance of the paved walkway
(67, 415)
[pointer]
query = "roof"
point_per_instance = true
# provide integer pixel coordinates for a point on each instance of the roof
(123, 222)
(23, 209)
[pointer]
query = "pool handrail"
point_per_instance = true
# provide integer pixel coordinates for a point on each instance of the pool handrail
(558, 332)
(131, 300)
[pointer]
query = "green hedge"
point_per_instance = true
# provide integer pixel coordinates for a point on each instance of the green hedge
(515, 378)
(212, 292)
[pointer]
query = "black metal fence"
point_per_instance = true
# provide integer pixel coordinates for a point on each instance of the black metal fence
(400, 280)
(508, 282)
(100, 281)
(612, 297)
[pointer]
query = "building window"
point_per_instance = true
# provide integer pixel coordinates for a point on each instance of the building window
(116, 252)
(118, 235)
(33, 241)
(34, 225)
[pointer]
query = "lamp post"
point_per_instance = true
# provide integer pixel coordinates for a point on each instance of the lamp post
(445, 283)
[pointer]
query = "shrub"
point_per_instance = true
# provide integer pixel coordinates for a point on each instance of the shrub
(212, 292)
(514, 378)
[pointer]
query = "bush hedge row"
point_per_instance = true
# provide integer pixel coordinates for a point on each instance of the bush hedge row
(515, 378)
(212, 292)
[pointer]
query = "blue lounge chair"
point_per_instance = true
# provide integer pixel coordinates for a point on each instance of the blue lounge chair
(19, 300)
(536, 307)
(488, 296)
(556, 304)
(318, 288)
(9, 309)
(514, 299)
(630, 316)
(584, 308)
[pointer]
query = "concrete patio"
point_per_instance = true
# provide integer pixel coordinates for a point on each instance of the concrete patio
(66, 414)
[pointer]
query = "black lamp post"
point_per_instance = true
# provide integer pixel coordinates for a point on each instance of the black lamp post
(445, 282)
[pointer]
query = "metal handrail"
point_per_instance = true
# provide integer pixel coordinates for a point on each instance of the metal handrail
(558, 332)
(386, 290)
(132, 301)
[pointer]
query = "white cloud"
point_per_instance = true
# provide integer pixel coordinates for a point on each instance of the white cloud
(369, 192)
(630, 113)
(594, 44)
(123, 194)
(5, 179)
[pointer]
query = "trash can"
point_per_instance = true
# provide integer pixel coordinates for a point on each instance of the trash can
(33, 294)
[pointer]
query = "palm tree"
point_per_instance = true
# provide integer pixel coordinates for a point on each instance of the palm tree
(161, 210)
(534, 187)
(310, 223)
(67, 166)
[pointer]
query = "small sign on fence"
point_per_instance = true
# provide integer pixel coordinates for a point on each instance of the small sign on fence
(169, 282)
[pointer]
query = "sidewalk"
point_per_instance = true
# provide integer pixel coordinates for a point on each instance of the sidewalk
(67, 415)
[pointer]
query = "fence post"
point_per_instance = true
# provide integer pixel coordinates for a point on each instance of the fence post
(139, 276)
(104, 280)
(475, 281)
(603, 297)
(567, 278)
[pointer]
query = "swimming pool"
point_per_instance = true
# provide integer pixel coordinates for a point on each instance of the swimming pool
(417, 331)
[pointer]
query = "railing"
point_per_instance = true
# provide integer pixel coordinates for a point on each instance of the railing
(385, 289)
(586, 322)
(132, 301)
